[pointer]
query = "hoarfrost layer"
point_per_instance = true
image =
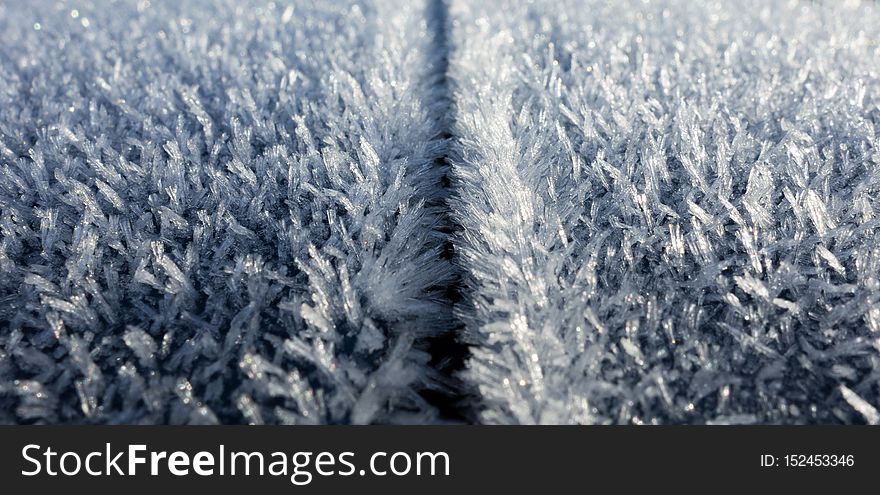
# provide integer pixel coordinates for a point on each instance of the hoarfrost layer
(218, 211)
(669, 209)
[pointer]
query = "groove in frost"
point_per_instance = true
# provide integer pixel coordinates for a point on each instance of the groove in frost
(232, 211)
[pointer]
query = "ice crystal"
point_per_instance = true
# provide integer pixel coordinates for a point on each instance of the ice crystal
(663, 211)
(669, 209)
(218, 211)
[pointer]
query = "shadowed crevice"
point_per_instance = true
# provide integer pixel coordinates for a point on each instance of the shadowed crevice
(448, 351)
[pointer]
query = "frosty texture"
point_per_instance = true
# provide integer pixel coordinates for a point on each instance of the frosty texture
(669, 209)
(218, 211)
(663, 211)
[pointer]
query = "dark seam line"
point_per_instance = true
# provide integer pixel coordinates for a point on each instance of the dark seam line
(448, 351)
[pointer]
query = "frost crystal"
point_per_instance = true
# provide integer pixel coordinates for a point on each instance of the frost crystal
(669, 209)
(218, 211)
(662, 211)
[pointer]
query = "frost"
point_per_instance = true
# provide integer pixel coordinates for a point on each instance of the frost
(668, 209)
(240, 211)
(141, 344)
(861, 405)
(219, 211)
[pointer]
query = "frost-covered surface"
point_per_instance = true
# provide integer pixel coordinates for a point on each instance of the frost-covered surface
(670, 210)
(218, 211)
(233, 211)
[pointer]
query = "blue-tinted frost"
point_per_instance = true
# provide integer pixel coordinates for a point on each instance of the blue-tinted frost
(670, 209)
(665, 211)
(218, 211)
